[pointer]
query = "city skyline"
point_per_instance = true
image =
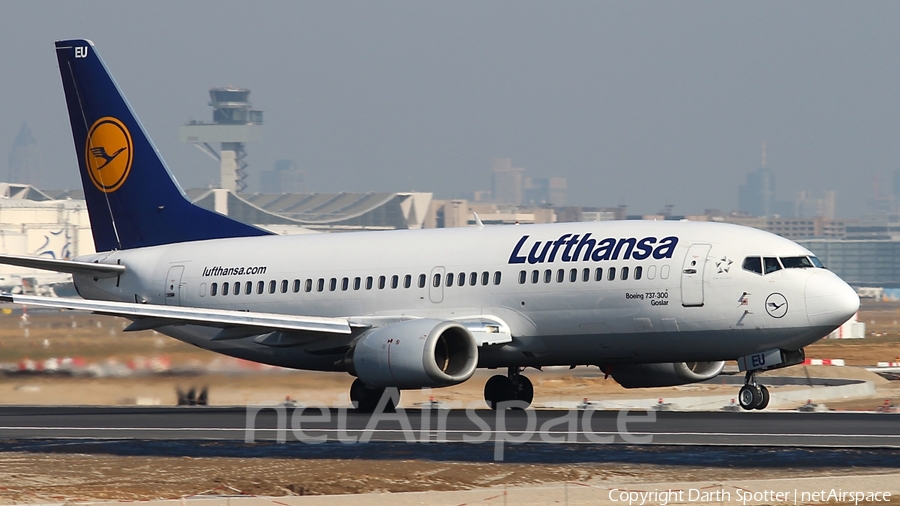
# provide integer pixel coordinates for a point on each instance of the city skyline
(631, 105)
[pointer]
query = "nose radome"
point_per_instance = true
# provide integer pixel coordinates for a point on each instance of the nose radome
(829, 300)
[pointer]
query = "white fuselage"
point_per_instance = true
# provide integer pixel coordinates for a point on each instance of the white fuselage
(693, 302)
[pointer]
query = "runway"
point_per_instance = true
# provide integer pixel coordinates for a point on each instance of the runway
(637, 428)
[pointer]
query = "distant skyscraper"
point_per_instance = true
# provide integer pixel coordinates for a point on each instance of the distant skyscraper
(286, 178)
(806, 206)
(546, 190)
(24, 159)
(757, 196)
(507, 182)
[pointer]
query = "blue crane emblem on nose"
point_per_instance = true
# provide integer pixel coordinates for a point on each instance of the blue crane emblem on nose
(776, 305)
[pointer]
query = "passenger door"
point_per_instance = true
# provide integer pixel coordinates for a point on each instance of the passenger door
(692, 273)
(174, 287)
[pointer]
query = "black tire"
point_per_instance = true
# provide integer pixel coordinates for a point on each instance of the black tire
(524, 389)
(749, 397)
(764, 398)
(365, 399)
(498, 389)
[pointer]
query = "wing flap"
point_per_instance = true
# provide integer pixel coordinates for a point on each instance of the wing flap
(170, 315)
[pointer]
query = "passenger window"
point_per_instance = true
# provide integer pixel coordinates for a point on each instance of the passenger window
(461, 279)
(473, 278)
(332, 284)
(272, 285)
(225, 288)
(624, 273)
(523, 277)
(369, 282)
(560, 275)
(771, 264)
(586, 274)
(484, 278)
(496, 277)
(345, 284)
(407, 281)
(598, 274)
(284, 285)
(381, 280)
(638, 272)
(422, 279)
(308, 286)
(236, 288)
(450, 279)
(357, 282)
(611, 274)
(548, 275)
(437, 280)
(213, 288)
(320, 285)
(260, 287)
(573, 275)
(248, 287)
(753, 264)
(395, 281)
(535, 276)
(296, 285)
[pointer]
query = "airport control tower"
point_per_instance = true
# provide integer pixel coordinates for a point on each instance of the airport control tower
(234, 124)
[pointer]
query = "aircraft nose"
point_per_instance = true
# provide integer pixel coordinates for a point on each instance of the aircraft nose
(829, 300)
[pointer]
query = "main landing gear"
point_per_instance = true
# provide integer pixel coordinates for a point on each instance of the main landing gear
(753, 395)
(512, 387)
(365, 399)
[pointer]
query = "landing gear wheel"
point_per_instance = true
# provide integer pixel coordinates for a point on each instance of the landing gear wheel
(764, 398)
(498, 389)
(524, 390)
(749, 397)
(365, 399)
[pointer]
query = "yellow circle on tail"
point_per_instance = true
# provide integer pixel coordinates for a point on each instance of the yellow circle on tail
(108, 154)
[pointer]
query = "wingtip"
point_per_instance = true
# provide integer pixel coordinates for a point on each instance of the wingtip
(478, 222)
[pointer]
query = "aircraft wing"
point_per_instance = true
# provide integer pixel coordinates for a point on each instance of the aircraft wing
(234, 324)
(69, 266)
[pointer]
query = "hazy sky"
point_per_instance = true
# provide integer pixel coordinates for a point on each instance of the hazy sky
(638, 103)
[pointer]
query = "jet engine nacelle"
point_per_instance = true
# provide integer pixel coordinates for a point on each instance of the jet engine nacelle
(414, 354)
(664, 375)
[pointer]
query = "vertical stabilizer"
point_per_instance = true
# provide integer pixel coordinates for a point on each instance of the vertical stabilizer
(132, 198)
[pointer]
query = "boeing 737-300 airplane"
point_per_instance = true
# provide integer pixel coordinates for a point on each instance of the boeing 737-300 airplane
(651, 303)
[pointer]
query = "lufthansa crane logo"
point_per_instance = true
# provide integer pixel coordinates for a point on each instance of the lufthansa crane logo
(776, 305)
(108, 154)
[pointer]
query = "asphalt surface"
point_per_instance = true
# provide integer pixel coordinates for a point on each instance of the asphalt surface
(534, 427)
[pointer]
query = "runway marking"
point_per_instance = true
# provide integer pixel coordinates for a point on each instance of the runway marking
(449, 431)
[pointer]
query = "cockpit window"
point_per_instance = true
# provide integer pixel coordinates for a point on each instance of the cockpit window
(771, 264)
(815, 261)
(796, 262)
(753, 264)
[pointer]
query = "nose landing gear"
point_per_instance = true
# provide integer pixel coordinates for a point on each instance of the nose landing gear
(753, 395)
(512, 387)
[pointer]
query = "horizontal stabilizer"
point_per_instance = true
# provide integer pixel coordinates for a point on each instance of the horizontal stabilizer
(220, 318)
(69, 266)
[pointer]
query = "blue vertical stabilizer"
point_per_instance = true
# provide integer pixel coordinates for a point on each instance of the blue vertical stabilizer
(132, 198)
